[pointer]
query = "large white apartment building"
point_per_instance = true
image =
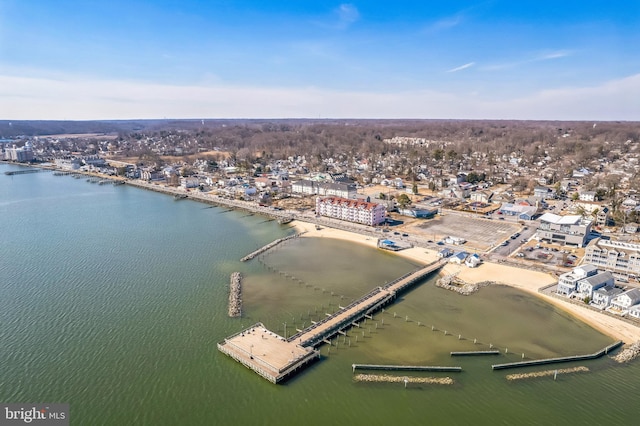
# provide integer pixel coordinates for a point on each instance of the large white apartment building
(351, 210)
(620, 258)
(337, 189)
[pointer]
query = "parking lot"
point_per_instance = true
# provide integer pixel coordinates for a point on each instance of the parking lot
(480, 233)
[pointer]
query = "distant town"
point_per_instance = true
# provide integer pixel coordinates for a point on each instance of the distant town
(552, 196)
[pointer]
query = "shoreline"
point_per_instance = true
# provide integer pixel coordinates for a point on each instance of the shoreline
(522, 279)
(519, 278)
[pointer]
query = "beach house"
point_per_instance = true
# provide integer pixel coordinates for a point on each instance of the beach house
(568, 281)
(602, 297)
(623, 302)
(586, 286)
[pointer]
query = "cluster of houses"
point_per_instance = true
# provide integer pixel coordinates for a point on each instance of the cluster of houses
(588, 283)
(460, 257)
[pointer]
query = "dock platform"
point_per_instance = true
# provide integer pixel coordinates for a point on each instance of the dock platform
(268, 354)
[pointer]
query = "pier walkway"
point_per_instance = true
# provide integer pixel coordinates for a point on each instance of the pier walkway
(275, 358)
(366, 305)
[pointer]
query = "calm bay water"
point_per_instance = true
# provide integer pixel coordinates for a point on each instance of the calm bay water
(113, 299)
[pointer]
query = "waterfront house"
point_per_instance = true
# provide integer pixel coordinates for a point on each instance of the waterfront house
(458, 257)
(586, 286)
(634, 311)
(621, 303)
(568, 281)
(473, 260)
(602, 297)
(445, 252)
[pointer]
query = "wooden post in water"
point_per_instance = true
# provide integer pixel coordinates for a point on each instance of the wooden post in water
(522, 355)
(555, 374)
(506, 350)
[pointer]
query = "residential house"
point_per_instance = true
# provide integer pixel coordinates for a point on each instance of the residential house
(568, 281)
(458, 257)
(634, 311)
(587, 196)
(602, 217)
(481, 196)
(473, 260)
(586, 286)
(444, 253)
(621, 303)
(543, 192)
(566, 230)
(602, 297)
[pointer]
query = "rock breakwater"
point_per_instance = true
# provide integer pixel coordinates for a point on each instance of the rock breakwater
(629, 353)
(235, 295)
(385, 378)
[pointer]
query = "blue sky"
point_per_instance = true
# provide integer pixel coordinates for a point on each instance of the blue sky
(503, 59)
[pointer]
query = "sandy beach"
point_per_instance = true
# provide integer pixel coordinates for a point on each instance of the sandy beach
(523, 279)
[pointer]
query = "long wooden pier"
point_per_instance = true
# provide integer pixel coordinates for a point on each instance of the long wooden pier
(275, 358)
(357, 310)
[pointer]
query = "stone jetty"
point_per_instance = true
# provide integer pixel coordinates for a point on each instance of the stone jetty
(452, 283)
(385, 378)
(547, 373)
(235, 295)
(629, 353)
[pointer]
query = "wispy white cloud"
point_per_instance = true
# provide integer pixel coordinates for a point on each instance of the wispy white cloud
(77, 98)
(445, 23)
(553, 55)
(347, 14)
(462, 67)
(537, 58)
